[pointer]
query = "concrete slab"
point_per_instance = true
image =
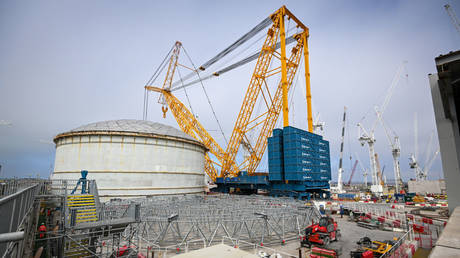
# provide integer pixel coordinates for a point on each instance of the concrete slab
(448, 244)
(221, 250)
(450, 236)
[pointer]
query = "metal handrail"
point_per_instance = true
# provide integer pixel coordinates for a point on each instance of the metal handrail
(398, 243)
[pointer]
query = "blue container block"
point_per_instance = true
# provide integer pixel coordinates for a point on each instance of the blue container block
(297, 145)
(323, 150)
(322, 162)
(300, 153)
(298, 169)
(275, 177)
(277, 132)
(324, 156)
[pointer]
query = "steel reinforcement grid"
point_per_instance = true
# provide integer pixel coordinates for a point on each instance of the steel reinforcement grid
(193, 222)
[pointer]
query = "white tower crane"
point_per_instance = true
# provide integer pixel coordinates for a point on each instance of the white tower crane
(395, 151)
(453, 17)
(318, 126)
(413, 159)
(368, 137)
(340, 172)
(421, 173)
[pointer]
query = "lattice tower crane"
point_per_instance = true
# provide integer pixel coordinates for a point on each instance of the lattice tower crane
(395, 151)
(421, 173)
(367, 137)
(352, 172)
(275, 101)
(453, 17)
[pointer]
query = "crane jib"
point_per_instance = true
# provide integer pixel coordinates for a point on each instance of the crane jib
(243, 61)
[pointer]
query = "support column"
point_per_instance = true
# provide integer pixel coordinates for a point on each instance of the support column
(284, 69)
(307, 81)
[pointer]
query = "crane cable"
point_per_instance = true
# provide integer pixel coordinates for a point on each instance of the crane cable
(151, 80)
(262, 25)
(207, 97)
(186, 95)
(259, 27)
(243, 61)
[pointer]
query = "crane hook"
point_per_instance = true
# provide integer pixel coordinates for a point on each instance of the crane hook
(164, 109)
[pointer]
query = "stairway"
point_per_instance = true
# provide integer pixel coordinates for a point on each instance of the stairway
(84, 206)
(75, 249)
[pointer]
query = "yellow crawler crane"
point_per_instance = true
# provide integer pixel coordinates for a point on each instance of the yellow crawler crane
(275, 101)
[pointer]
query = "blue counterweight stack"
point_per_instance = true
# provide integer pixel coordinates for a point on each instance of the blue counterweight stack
(300, 160)
(275, 156)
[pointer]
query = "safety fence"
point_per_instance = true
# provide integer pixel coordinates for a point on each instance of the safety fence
(10, 186)
(404, 247)
(423, 231)
(16, 213)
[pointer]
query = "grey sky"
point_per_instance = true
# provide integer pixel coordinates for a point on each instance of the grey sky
(68, 63)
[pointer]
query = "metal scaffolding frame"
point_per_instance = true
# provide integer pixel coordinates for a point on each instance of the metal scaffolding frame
(193, 222)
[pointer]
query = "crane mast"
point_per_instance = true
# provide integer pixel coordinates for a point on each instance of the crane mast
(368, 137)
(352, 172)
(258, 80)
(340, 172)
(395, 151)
(275, 102)
(453, 17)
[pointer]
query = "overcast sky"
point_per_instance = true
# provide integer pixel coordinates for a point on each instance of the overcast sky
(68, 63)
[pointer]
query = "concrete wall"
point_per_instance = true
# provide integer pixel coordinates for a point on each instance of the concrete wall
(132, 166)
(424, 187)
(446, 99)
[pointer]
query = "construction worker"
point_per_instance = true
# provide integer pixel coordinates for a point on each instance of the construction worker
(42, 230)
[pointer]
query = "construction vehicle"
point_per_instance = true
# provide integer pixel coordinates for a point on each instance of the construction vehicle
(251, 129)
(321, 233)
(369, 248)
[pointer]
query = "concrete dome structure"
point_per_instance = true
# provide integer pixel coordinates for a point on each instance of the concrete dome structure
(132, 158)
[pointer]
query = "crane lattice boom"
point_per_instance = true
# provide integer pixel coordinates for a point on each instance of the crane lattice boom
(275, 101)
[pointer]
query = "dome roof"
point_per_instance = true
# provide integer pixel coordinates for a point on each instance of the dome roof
(131, 126)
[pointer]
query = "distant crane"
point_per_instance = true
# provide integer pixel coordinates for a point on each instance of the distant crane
(453, 17)
(363, 169)
(395, 151)
(421, 173)
(368, 136)
(340, 172)
(318, 126)
(379, 171)
(352, 172)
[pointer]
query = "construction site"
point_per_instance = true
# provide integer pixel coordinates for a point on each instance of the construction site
(272, 187)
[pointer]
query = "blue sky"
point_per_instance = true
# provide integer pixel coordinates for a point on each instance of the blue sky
(69, 63)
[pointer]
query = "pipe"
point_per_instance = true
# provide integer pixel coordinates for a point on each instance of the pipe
(13, 236)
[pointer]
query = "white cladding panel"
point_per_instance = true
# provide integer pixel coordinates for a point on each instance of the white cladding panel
(132, 166)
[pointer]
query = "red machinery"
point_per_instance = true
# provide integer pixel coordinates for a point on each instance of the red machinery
(321, 233)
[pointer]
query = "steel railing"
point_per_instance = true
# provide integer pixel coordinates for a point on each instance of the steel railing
(16, 213)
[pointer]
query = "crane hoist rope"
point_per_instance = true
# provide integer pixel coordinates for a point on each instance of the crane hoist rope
(155, 75)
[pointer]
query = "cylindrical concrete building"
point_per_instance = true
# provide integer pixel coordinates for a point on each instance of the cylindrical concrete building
(132, 158)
